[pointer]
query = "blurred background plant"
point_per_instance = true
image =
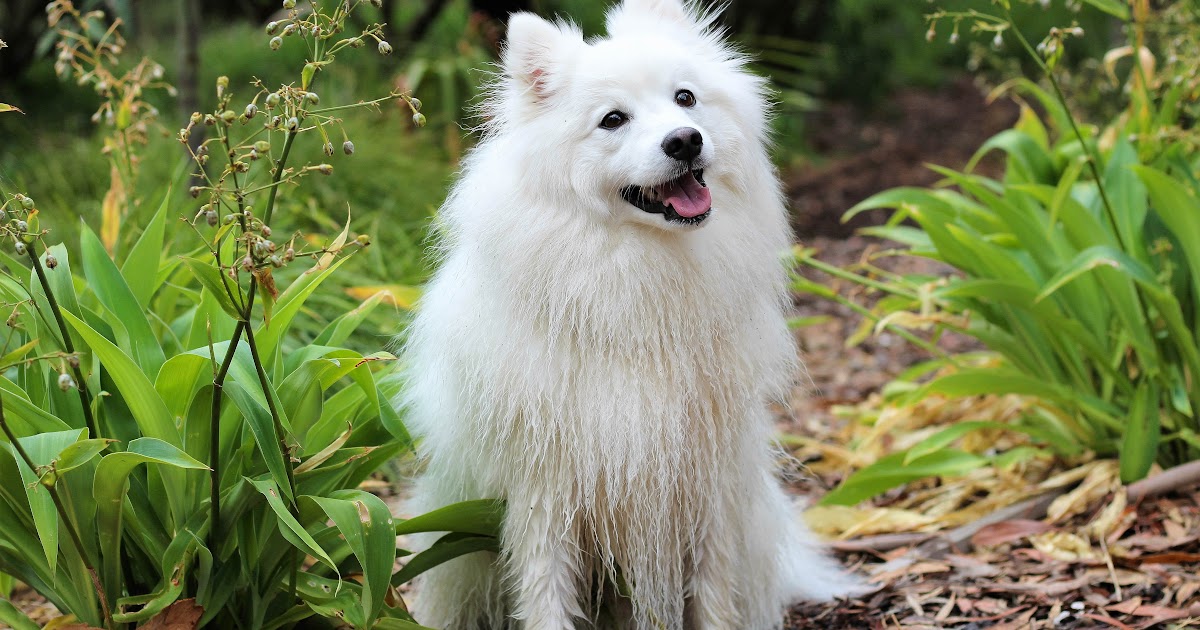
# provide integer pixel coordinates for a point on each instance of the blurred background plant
(1077, 268)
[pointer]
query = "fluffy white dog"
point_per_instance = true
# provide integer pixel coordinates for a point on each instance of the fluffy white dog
(602, 338)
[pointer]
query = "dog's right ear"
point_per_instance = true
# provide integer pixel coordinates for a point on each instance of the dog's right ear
(534, 48)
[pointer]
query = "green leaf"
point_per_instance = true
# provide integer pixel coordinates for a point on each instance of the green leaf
(288, 305)
(1097, 257)
(263, 428)
(947, 436)
(288, 525)
(26, 417)
(447, 548)
(13, 617)
(79, 454)
(365, 522)
(42, 450)
(891, 471)
(217, 285)
(151, 413)
(141, 265)
(398, 624)
(109, 489)
(340, 329)
(128, 320)
(482, 517)
(1140, 444)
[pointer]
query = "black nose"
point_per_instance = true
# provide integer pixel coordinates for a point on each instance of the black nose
(683, 144)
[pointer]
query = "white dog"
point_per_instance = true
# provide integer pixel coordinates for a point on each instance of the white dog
(602, 338)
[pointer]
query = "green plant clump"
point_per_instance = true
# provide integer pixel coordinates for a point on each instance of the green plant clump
(1079, 268)
(161, 456)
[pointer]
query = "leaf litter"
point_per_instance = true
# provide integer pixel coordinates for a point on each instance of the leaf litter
(1034, 541)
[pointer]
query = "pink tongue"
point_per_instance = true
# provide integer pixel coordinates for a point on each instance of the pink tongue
(688, 197)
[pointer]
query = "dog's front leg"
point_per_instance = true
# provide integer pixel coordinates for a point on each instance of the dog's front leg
(543, 558)
(712, 589)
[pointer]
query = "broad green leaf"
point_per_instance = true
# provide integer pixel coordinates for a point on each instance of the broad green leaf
(110, 487)
(1179, 210)
(891, 471)
(482, 517)
(1140, 444)
(367, 526)
(25, 417)
(141, 265)
(947, 436)
(288, 525)
(151, 413)
(79, 454)
(262, 427)
(218, 286)
(447, 548)
(13, 617)
(1094, 258)
(42, 449)
(133, 331)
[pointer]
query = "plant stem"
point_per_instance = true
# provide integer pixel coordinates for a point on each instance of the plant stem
(287, 148)
(283, 446)
(214, 440)
(85, 397)
(62, 513)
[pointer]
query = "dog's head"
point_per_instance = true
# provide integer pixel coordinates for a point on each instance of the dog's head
(636, 126)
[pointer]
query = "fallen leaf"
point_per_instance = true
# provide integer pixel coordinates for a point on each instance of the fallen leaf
(182, 615)
(1008, 531)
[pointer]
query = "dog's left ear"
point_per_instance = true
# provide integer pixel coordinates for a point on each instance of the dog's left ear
(534, 50)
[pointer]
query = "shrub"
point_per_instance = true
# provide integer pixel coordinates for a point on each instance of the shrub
(1079, 269)
(161, 456)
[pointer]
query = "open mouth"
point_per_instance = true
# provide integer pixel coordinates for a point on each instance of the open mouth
(684, 200)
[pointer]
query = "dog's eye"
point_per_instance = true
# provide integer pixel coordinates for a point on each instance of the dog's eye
(685, 98)
(614, 119)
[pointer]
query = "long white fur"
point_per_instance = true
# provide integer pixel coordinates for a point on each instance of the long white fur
(604, 372)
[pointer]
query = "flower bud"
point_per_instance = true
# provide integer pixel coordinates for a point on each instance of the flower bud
(194, 191)
(276, 261)
(385, 48)
(210, 120)
(228, 116)
(289, 254)
(419, 119)
(312, 98)
(51, 261)
(197, 118)
(289, 4)
(251, 111)
(272, 100)
(262, 146)
(26, 202)
(65, 382)
(348, 147)
(327, 148)
(22, 226)
(276, 42)
(325, 169)
(293, 123)
(223, 82)
(415, 104)
(266, 231)
(363, 240)
(272, 27)
(356, 42)
(211, 217)
(21, 248)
